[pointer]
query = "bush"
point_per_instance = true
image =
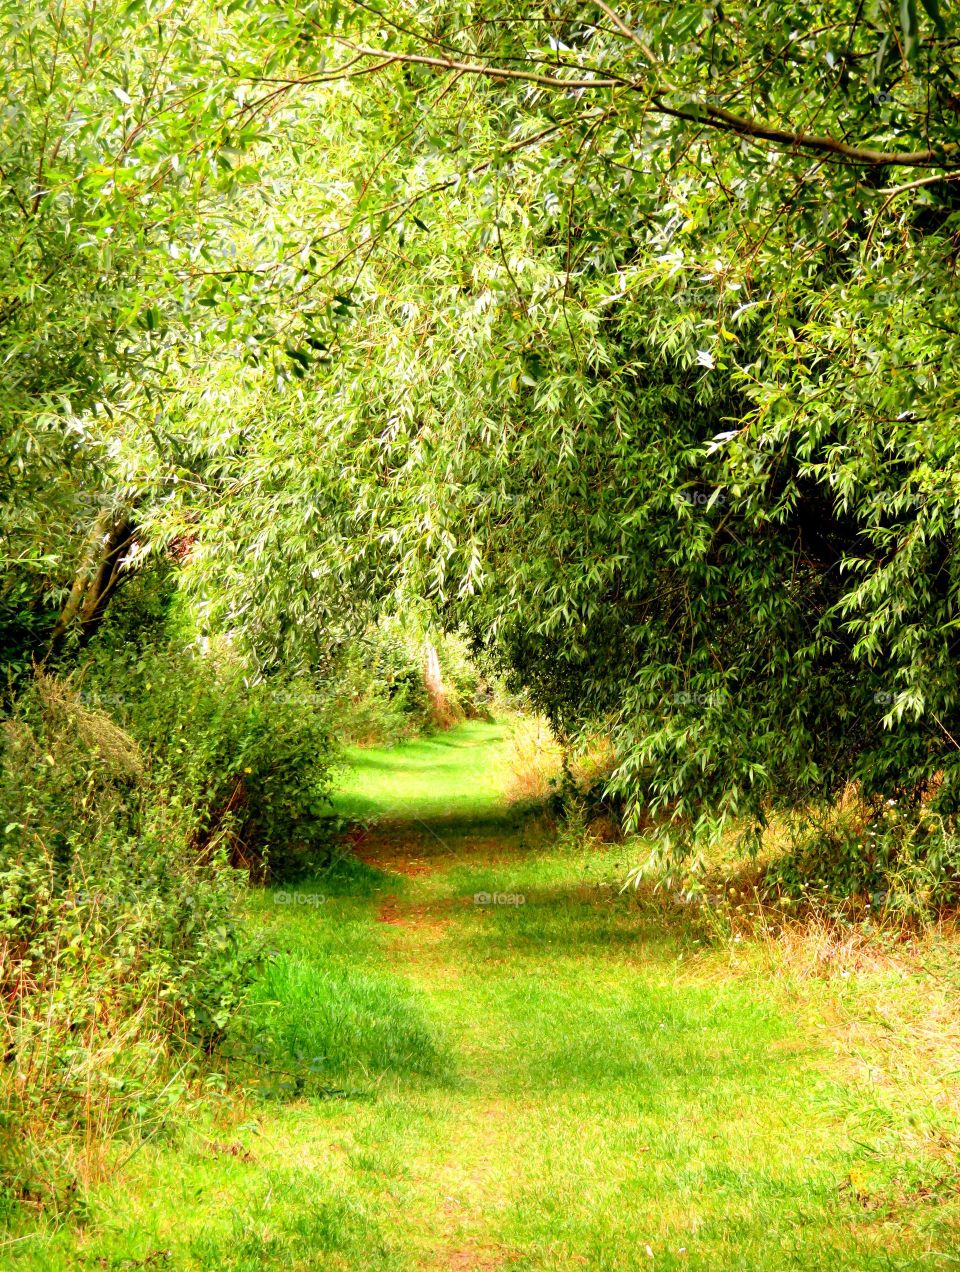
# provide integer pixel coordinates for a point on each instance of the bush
(138, 795)
(902, 863)
(380, 696)
(250, 764)
(120, 964)
(247, 761)
(470, 690)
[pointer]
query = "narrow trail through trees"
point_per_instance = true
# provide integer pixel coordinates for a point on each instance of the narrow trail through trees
(556, 1076)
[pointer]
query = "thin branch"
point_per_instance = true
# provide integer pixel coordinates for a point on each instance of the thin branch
(727, 121)
(633, 36)
(477, 68)
(902, 189)
(924, 181)
(697, 112)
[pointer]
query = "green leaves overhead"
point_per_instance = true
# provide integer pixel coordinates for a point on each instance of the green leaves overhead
(623, 336)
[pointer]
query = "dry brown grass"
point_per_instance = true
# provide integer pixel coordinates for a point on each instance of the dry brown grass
(535, 760)
(593, 760)
(92, 728)
(445, 712)
(70, 1085)
(886, 1001)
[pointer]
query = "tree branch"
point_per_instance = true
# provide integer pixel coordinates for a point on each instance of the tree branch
(697, 112)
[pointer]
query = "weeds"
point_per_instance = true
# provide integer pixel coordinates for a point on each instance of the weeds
(120, 964)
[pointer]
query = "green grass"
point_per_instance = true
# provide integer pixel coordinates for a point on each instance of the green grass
(457, 776)
(570, 1082)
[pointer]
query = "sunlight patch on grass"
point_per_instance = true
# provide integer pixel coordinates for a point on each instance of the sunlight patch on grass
(460, 774)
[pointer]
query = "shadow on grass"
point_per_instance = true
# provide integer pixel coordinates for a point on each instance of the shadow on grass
(349, 876)
(455, 826)
(313, 1031)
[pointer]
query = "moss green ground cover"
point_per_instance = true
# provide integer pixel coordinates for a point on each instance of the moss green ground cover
(565, 1082)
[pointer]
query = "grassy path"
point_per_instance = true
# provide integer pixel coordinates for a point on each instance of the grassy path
(555, 1083)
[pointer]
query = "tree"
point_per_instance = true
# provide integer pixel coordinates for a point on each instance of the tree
(125, 142)
(618, 334)
(644, 378)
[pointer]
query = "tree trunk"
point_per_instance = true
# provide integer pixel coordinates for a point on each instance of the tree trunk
(432, 676)
(96, 578)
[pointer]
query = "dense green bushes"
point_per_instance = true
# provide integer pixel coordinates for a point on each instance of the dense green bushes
(249, 763)
(378, 690)
(140, 789)
(119, 955)
(902, 864)
(247, 760)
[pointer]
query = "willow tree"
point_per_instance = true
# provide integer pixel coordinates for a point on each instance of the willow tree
(647, 379)
(623, 335)
(129, 134)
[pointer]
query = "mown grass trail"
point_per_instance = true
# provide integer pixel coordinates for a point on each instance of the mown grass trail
(563, 1082)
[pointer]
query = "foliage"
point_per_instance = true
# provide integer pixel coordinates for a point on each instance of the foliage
(895, 865)
(128, 789)
(379, 694)
(644, 384)
(248, 762)
(378, 684)
(637, 379)
(469, 681)
(119, 957)
(102, 101)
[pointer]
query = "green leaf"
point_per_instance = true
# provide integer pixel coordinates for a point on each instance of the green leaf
(933, 11)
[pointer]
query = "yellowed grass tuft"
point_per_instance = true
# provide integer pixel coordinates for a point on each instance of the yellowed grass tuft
(535, 760)
(93, 728)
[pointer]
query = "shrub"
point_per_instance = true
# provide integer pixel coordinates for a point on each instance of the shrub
(380, 696)
(250, 763)
(903, 863)
(120, 964)
(469, 689)
(247, 760)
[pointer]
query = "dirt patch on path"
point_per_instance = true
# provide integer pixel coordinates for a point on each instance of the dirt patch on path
(432, 915)
(400, 851)
(473, 1259)
(388, 858)
(414, 852)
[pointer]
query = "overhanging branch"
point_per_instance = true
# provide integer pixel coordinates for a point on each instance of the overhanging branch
(699, 112)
